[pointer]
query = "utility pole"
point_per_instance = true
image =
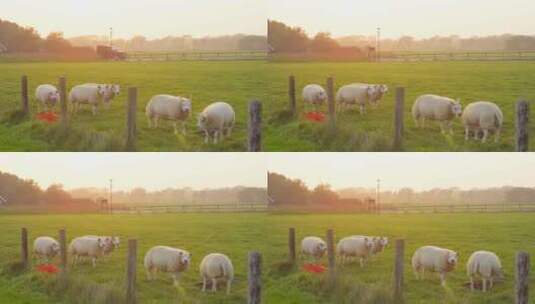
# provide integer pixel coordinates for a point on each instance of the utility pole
(377, 196)
(111, 37)
(111, 196)
(378, 45)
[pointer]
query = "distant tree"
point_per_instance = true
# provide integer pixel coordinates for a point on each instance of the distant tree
(18, 39)
(520, 43)
(55, 43)
(282, 38)
(323, 194)
(323, 42)
(283, 190)
(55, 194)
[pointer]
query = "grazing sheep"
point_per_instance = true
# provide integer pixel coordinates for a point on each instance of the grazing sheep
(379, 244)
(168, 107)
(110, 91)
(484, 264)
(214, 267)
(47, 95)
(90, 94)
(482, 116)
(88, 247)
(313, 246)
(314, 94)
(355, 246)
(166, 259)
(112, 242)
(360, 94)
(434, 259)
(46, 248)
(216, 120)
(438, 108)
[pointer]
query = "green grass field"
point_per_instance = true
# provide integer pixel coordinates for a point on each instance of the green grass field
(237, 234)
(239, 82)
(501, 82)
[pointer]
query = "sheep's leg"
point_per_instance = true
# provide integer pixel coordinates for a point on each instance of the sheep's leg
(450, 127)
(484, 285)
(497, 136)
(206, 137)
(423, 123)
(203, 283)
(149, 119)
(174, 128)
(175, 276)
(156, 121)
(184, 128)
(466, 133)
(216, 136)
(491, 281)
(361, 262)
(94, 110)
(148, 273)
(443, 279)
(214, 284)
(94, 262)
(229, 282)
(485, 135)
(362, 110)
(471, 283)
(443, 127)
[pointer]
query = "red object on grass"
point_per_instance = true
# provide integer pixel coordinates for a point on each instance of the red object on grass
(49, 117)
(314, 268)
(47, 268)
(315, 116)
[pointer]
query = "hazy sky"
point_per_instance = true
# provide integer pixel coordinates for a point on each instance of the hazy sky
(152, 171)
(151, 18)
(416, 170)
(418, 18)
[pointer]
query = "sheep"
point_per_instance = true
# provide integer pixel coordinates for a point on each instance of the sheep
(46, 248)
(313, 246)
(314, 94)
(110, 91)
(47, 95)
(438, 108)
(484, 264)
(169, 107)
(166, 259)
(216, 266)
(434, 259)
(88, 247)
(112, 242)
(216, 120)
(360, 94)
(355, 246)
(91, 94)
(482, 116)
(379, 244)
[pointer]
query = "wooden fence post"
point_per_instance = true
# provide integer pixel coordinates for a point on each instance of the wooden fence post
(398, 119)
(131, 272)
(62, 87)
(131, 128)
(291, 245)
(331, 104)
(24, 247)
(522, 126)
(254, 142)
(291, 95)
(254, 295)
(330, 253)
(24, 95)
(63, 250)
(522, 278)
(398, 271)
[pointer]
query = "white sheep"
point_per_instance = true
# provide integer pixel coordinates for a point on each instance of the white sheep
(168, 107)
(166, 259)
(47, 95)
(46, 248)
(482, 116)
(355, 246)
(214, 267)
(437, 108)
(313, 246)
(90, 94)
(379, 244)
(434, 259)
(88, 247)
(360, 94)
(110, 91)
(314, 94)
(216, 120)
(112, 242)
(486, 265)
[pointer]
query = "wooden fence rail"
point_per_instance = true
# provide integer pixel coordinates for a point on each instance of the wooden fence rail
(199, 56)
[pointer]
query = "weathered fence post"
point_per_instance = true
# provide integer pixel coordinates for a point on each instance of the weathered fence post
(522, 126)
(398, 271)
(254, 295)
(331, 104)
(131, 128)
(63, 250)
(291, 245)
(522, 278)
(24, 247)
(291, 95)
(24, 95)
(254, 141)
(131, 272)
(398, 119)
(330, 253)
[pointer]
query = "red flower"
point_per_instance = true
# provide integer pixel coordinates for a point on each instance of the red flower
(49, 117)
(314, 268)
(315, 116)
(47, 268)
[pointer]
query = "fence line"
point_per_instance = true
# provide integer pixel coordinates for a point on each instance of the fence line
(458, 208)
(199, 56)
(461, 56)
(200, 208)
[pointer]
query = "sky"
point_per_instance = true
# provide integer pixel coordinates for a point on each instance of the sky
(417, 18)
(153, 171)
(419, 171)
(150, 18)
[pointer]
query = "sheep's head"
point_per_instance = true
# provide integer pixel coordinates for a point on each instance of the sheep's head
(53, 97)
(116, 241)
(322, 96)
(453, 258)
(369, 243)
(456, 108)
(115, 89)
(186, 105)
(202, 119)
(376, 92)
(184, 258)
(321, 248)
(101, 90)
(55, 248)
